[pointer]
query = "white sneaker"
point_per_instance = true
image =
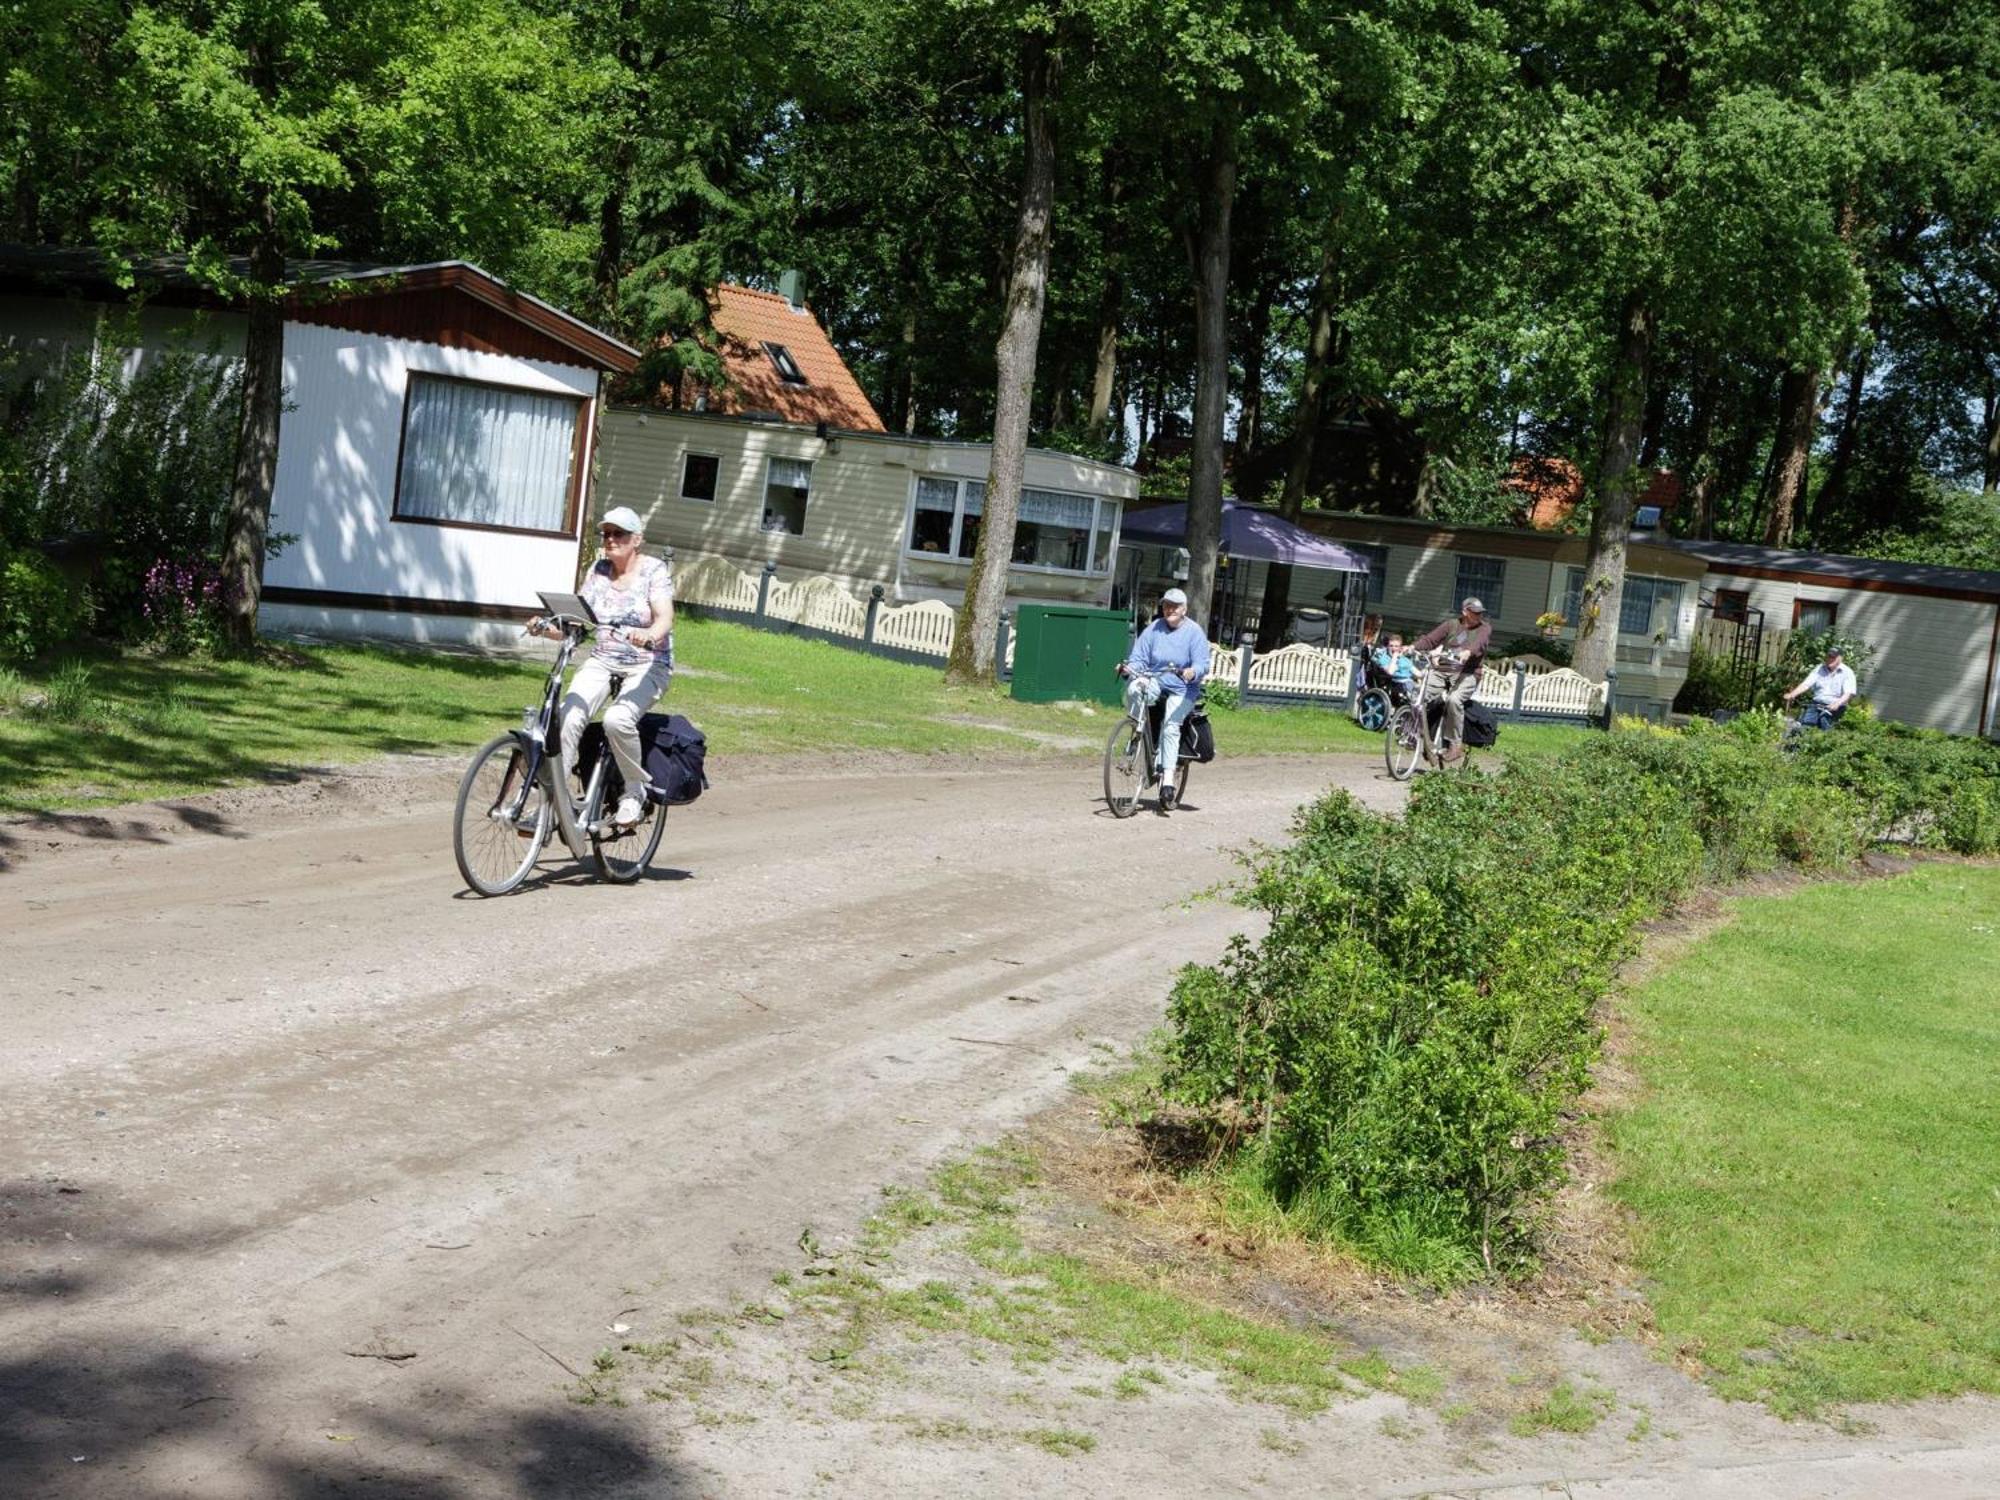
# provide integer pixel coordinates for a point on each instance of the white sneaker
(630, 810)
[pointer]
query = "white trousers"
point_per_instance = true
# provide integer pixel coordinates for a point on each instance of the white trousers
(1146, 691)
(589, 686)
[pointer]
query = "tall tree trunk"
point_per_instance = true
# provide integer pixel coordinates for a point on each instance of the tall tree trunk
(1991, 477)
(899, 399)
(1020, 334)
(1216, 200)
(1798, 405)
(1305, 434)
(1617, 488)
(1110, 303)
(256, 473)
(1250, 409)
(1701, 470)
(1658, 399)
(1833, 489)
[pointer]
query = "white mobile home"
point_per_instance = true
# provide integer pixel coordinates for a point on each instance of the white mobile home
(1935, 632)
(436, 443)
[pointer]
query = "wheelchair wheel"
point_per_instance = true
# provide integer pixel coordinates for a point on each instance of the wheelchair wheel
(1372, 711)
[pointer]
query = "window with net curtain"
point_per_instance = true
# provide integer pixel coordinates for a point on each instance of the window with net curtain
(1646, 599)
(1072, 533)
(787, 489)
(486, 455)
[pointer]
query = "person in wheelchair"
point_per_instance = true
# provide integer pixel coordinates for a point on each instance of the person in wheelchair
(1391, 671)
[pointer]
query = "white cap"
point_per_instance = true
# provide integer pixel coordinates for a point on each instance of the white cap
(625, 519)
(1472, 607)
(1174, 596)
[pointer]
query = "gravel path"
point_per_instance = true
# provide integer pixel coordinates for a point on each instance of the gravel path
(316, 1172)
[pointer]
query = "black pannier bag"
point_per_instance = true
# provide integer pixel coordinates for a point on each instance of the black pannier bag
(1197, 734)
(1197, 738)
(672, 750)
(1481, 727)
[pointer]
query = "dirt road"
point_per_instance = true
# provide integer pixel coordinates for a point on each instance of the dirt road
(320, 1177)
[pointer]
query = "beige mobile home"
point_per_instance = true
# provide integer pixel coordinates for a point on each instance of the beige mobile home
(1935, 632)
(860, 507)
(1420, 570)
(786, 463)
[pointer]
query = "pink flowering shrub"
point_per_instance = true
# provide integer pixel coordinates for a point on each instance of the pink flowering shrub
(181, 605)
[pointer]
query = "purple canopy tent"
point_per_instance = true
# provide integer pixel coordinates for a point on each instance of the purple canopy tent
(1248, 535)
(1253, 535)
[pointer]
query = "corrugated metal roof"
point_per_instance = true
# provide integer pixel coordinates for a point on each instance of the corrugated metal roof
(1836, 568)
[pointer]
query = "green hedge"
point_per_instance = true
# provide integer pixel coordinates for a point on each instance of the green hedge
(1402, 1051)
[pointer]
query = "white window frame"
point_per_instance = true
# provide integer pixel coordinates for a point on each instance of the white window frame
(1377, 554)
(765, 493)
(1571, 604)
(1094, 567)
(1492, 595)
(688, 453)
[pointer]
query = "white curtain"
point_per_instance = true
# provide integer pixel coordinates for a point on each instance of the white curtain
(487, 455)
(937, 494)
(791, 474)
(1052, 509)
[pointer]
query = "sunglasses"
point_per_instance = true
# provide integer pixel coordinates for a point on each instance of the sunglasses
(613, 534)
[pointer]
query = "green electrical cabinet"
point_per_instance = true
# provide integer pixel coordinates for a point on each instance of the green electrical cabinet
(1067, 651)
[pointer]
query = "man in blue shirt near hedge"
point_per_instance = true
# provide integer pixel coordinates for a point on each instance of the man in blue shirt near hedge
(1169, 660)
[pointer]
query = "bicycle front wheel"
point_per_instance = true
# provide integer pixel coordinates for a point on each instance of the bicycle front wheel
(502, 819)
(1125, 757)
(1403, 741)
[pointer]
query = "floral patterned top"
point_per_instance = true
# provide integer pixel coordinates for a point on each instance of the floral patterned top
(631, 606)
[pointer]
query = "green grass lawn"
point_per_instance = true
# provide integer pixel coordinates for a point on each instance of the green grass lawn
(145, 726)
(1815, 1166)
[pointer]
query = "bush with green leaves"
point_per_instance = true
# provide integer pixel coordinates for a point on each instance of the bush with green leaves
(39, 607)
(1396, 1061)
(133, 453)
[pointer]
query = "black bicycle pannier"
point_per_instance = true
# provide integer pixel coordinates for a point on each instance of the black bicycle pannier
(1197, 738)
(675, 752)
(672, 750)
(1481, 727)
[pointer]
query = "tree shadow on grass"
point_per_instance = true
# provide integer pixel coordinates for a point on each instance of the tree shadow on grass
(85, 1415)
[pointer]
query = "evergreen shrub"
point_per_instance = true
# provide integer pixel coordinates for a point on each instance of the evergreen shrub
(1398, 1058)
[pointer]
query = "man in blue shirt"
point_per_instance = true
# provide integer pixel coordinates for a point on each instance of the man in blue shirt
(1169, 660)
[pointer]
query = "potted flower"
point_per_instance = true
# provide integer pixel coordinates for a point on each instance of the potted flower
(1550, 623)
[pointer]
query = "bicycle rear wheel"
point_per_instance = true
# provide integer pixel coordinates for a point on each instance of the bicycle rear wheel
(1403, 741)
(1125, 762)
(622, 854)
(497, 832)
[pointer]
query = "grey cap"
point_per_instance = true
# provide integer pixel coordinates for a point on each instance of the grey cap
(1472, 607)
(1174, 596)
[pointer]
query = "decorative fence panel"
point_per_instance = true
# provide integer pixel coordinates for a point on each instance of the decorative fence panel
(926, 627)
(709, 580)
(1301, 671)
(1527, 687)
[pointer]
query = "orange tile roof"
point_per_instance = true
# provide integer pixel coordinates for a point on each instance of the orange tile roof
(746, 320)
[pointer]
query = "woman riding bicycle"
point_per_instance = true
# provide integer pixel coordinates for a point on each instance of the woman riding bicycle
(1169, 660)
(632, 596)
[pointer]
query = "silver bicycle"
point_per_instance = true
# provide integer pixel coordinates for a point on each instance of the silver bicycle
(513, 796)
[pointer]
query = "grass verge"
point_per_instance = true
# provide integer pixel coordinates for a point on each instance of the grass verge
(1811, 1164)
(101, 726)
